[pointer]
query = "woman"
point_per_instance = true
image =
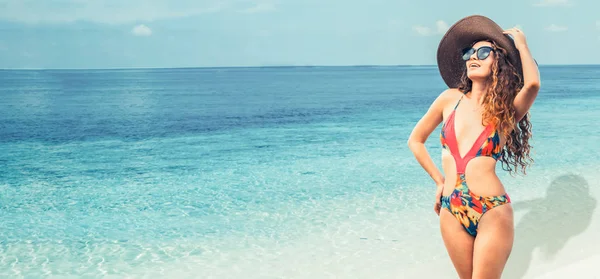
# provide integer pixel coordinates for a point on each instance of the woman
(493, 81)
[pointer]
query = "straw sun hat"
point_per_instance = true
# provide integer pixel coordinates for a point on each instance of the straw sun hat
(462, 35)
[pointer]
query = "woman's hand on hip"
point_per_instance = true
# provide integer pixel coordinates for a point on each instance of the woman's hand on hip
(438, 198)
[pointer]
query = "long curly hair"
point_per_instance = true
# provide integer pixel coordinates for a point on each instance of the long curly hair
(503, 85)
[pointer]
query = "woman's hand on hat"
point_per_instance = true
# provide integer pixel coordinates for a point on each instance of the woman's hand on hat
(518, 37)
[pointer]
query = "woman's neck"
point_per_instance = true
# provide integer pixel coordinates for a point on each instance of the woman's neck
(478, 91)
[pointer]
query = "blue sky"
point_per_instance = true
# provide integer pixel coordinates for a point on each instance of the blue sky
(212, 33)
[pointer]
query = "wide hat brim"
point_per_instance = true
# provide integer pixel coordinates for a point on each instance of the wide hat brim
(462, 35)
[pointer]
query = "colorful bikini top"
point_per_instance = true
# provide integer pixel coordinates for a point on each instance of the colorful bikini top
(487, 144)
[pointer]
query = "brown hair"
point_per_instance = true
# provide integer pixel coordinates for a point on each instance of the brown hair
(498, 108)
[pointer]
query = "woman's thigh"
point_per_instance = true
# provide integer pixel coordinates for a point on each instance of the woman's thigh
(458, 242)
(492, 247)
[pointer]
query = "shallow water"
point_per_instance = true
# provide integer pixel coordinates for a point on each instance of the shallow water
(255, 172)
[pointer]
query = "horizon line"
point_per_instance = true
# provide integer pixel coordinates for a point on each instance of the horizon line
(256, 66)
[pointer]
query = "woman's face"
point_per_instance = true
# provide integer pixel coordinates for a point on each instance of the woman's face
(479, 67)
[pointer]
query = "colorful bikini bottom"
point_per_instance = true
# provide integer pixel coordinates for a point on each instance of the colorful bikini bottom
(468, 207)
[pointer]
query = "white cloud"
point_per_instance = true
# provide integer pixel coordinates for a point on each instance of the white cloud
(556, 28)
(260, 7)
(440, 28)
(107, 11)
(422, 30)
(551, 3)
(141, 30)
(598, 24)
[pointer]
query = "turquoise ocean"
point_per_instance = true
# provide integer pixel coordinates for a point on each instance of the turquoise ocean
(275, 172)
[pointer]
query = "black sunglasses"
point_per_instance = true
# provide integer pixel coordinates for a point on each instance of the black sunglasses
(482, 52)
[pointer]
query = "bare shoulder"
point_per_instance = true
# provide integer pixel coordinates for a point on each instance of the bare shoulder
(447, 98)
(441, 103)
(433, 117)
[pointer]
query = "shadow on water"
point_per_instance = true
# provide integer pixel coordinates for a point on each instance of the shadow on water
(565, 212)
